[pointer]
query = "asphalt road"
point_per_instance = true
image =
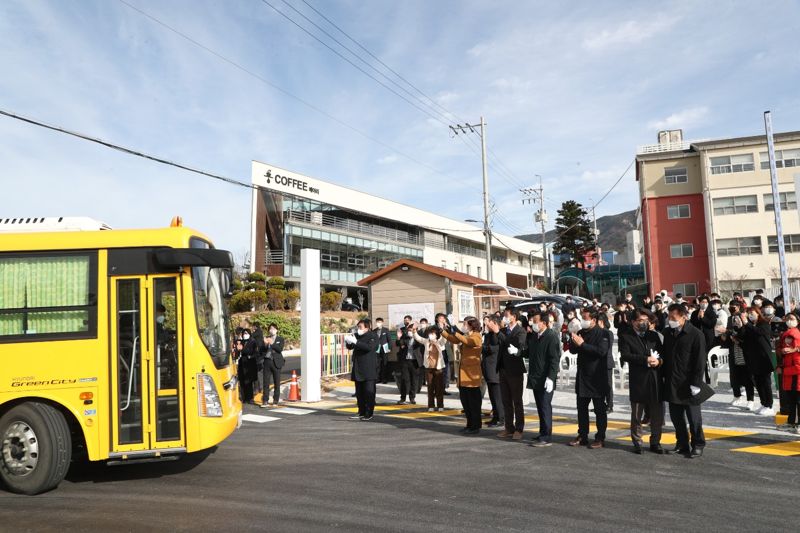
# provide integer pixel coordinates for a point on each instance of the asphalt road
(322, 471)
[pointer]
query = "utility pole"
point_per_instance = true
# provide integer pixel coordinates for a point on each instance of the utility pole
(487, 230)
(531, 195)
(776, 202)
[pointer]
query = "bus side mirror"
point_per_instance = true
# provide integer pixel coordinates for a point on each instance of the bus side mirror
(227, 283)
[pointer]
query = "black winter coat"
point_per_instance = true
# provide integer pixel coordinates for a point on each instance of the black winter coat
(684, 363)
(512, 364)
(403, 342)
(489, 354)
(383, 338)
(757, 347)
(610, 338)
(592, 378)
(645, 381)
(544, 354)
(706, 325)
(365, 357)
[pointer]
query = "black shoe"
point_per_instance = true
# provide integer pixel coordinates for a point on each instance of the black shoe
(355, 417)
(493, 423)
(447, 393)
(658, 450)
(637, 449)
(539, 443)
(646, 421)
(413, 402)
(401, 402)
(366, 418)
(682, 450)
(463, 430)
(696, 452)
(353, 395)
(472, 432)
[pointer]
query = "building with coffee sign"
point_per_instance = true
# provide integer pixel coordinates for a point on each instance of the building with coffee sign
(358, 234)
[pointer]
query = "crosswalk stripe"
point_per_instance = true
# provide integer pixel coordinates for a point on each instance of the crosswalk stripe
(783, 449)
(292, 411)
(259, 419)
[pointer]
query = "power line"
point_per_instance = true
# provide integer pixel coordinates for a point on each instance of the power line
(376, 80)
(282, 90)
(164, 161)
(376, 58)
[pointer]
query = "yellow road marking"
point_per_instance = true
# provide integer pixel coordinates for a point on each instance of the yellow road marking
(783, 449)
(426, 414)
(710, 434)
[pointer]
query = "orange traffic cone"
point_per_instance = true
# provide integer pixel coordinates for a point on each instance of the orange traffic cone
(294, 390)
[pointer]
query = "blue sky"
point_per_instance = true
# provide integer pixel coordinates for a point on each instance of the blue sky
(568, 90)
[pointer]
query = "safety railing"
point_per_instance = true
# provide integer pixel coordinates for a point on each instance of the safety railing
(336, 360)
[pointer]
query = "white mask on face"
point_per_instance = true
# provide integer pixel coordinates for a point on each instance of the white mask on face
(752, 318)
(704, 306)
(273, 332)
(768, 311)
(245, 336)
(378, 325)
(586, 324)
(361, 331)
(791, 324)
(716, 307)
(160, 319)
(674, 324)
(432, 337)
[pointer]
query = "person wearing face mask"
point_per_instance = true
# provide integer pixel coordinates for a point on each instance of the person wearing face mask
(604, 324)
(722, 316)
(776, 324)
(442, 322)
(365, 367)
(704, 318)
(490, 352)
(544, 354)
(559, 315)
(422, 329)
(433, 360)
(253, 361)
(569, 306)
(788, 351)
(641, 348)
(272, 351)
(383, 349)
(409, 359)
(511, 368)
(756, 337)
(591, 382)
(780, 310)
(469, 371)
(660, 313)
(622, 319)
(679, 298)
(739, 373)
(684, 388)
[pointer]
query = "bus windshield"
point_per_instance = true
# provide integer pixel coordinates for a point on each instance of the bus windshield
(209, 306)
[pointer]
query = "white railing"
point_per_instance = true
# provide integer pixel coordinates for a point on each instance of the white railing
(662, 147)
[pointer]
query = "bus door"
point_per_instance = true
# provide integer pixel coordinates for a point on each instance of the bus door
(146, 364)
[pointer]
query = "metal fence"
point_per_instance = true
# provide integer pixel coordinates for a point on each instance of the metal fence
(336, 359)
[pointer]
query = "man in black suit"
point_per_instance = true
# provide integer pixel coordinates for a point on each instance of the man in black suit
(641, 348)
(409, 360)
(383, 349)
(591, 383)
(365, 367)
(489, 353)
(272, 353)
(511, 368)
(705, 319)
(684, 365)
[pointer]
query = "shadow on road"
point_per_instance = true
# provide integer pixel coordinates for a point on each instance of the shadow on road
(100, 472)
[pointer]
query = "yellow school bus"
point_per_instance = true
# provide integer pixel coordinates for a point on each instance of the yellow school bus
(114, 346)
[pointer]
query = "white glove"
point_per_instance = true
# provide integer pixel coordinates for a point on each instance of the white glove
(654, 353)
(513, 350)
(350, 339)
(451, 319)
(548, 385)
(694, 390)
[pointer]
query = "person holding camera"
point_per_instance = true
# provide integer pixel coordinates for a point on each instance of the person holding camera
(272, 362)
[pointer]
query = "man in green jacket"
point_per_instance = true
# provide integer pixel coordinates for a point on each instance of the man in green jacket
(544, 354)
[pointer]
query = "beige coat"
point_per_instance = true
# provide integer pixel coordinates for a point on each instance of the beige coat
(469, 372)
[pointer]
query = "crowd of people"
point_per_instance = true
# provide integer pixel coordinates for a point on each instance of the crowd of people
(664, 341)
(259, 359)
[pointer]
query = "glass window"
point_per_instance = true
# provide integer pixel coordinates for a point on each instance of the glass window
(675, 175)
(791, 243)
(53, 295)
(687, 289)
(734, 205)
(678, 211)
(733, 163)
(788, 201)
(739, 246)
(677, 251)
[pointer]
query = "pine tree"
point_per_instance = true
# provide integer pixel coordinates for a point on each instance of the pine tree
(574, 236)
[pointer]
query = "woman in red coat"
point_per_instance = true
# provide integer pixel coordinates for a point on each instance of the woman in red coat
(788, 349)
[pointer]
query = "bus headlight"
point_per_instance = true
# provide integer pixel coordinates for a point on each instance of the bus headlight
(208, 402)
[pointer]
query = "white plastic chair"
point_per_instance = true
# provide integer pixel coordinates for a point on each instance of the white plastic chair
(567, 368)
(720, 366)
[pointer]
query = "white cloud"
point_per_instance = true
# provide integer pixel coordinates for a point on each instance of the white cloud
(688, 118)
(387, 160)
(629, 32)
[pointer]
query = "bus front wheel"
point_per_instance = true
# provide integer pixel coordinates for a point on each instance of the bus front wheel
(35, 448)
